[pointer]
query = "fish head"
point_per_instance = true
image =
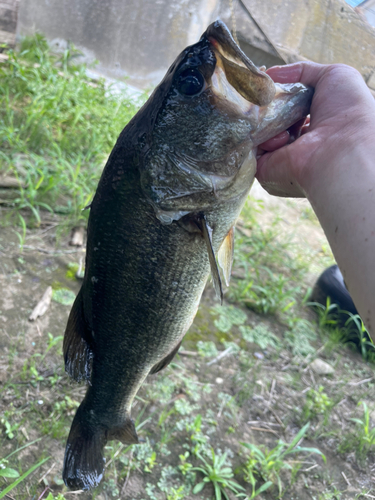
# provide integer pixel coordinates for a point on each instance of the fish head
(211, 110)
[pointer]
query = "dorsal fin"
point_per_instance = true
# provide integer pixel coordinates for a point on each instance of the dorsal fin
(207, 235)
(225, 255)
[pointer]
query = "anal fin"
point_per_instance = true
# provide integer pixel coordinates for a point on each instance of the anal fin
(225, 255)
(207, 235)
(77, 347)
(165, 361)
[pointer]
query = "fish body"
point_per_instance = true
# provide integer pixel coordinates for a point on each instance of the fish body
(165, 206)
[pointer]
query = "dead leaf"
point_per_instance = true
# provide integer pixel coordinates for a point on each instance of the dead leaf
(42, 305)
(78, 234)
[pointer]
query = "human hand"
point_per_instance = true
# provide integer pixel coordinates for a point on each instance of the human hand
(342, 119)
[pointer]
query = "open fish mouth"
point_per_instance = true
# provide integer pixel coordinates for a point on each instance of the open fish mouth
(253, 85)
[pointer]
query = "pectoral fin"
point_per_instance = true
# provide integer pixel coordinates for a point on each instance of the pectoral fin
(225, 255)
(165, 361)
(207, 235)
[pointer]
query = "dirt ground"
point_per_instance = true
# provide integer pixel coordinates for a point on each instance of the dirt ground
(252, 394)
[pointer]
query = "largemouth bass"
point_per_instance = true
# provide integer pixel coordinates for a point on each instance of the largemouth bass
(161, 219)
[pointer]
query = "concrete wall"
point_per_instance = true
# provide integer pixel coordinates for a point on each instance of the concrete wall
(8, 22)
(324, 31)
(367, 9)
(141, 38)
(129, 37)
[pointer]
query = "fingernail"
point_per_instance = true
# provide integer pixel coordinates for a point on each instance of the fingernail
(285, 74)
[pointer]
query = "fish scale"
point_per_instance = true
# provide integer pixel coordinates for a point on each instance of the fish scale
(163, 214)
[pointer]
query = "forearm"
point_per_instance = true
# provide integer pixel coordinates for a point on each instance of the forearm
(343, 198)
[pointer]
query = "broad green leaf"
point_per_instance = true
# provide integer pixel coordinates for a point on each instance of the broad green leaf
(198, 487)
(7, 472)
(64, 296)
(264, 487)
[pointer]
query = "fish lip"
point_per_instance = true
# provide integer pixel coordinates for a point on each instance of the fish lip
(249, 81)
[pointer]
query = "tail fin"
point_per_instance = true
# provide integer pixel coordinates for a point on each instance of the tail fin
(84, 461)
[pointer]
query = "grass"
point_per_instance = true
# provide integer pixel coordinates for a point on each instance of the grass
(21, 478)
(344, 327)
(57, 128)
(362, 440)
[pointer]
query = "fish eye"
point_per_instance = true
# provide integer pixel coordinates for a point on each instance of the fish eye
(190, 82)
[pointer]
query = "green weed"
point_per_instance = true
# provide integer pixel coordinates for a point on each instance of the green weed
(266, 285)
(144, 456)
(198, 439)
(170, 487)
(363, 439)
(358, 334)
(166, 431)
(332, 494)
(185, 466)
(327, 314)
(219, 474)
(207, 349)
(20, 478)
(32, 367)
(267, 465)
(260, 335)
(228, 316)
(21, 236)
(351, 331)
(317, 403)
(57, 423)
(271, 295)
(176, 494)
(9, 428)
(58, 497)
(56, 128)
(299, 337)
